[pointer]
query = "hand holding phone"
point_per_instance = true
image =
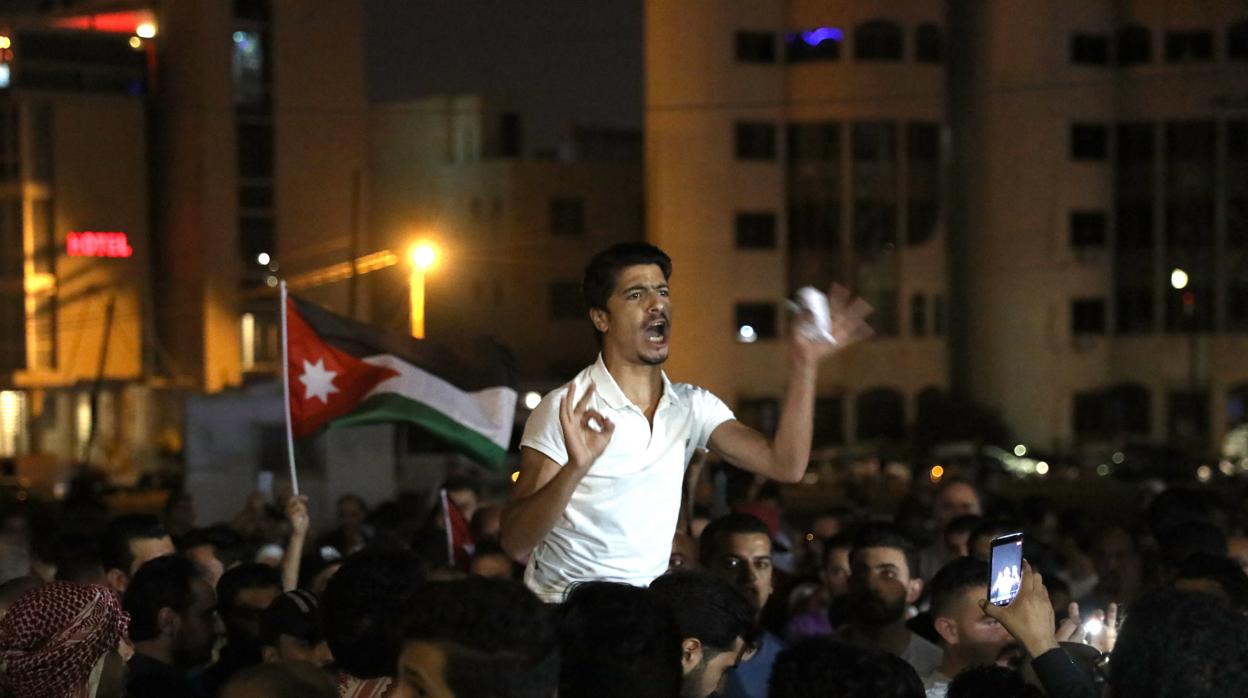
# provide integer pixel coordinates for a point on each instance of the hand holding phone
(1005, 568)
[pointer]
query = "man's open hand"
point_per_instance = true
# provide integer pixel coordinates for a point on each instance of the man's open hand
(848, 316)
(584, 441)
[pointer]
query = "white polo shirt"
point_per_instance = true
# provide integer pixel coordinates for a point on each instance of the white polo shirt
(618, 526)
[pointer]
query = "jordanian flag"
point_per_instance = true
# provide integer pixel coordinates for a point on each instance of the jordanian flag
(342, 373)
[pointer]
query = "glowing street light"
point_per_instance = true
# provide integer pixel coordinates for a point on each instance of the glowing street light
(422, 256)
(1178, 279)
(146, 30)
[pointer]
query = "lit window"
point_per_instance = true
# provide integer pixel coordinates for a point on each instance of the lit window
(755, 321)
(818, 44)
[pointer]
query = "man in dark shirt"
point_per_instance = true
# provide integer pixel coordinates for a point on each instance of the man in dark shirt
(173, 625)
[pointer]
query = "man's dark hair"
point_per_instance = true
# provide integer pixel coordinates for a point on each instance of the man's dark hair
(991, 528)
(604, 269)
(1225, 572)
(886, 535)
(498, 638)
(618, 641)
(77, 558)
(728, 524)
(840, 542)
(164, 582)
(1176, 542)
(826, 668)
(115, 543)
(227, 545)
(360, 605)
(282, 680)
(965, 523)
(1177, 644)
(995, 681)
(706, 607)
(252, 575)
(953, 580)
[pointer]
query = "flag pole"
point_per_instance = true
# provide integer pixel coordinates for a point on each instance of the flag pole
(450, 531)
(290, 437)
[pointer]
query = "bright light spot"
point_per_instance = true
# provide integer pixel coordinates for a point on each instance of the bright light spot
(532, 400)
(1020, 450)
(240, 37)
(4, 75)
(5, 42)
(145, 30)
(814, 37)
(1227, 468)
(263, 258)
(423, 256)
(1204, 473)
(59, 490)
(938, 471)
(1102, 470)
(271, 281)
(1118, 458)
(1178, 279)
(1042, 468)
(746, 334)
(136, 42)
(810, 536)
(1093, 627)
(515, 476)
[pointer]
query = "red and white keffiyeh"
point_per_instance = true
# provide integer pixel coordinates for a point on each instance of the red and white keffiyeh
(55, 635)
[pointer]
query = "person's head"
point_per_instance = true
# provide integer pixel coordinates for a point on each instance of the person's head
(173, 611)
(969, 636)
(979, 545)
(830, 523)
(180, 512)
(1176, 644)
(995, 681)
(715, 621)
(77, 558)
(129, 542)
(286, 679)
(957, 535)
(242, 595)
(1116, 562)
(1179, 541)
(737, 547)
(487, 522)
(490, 560)
(465, 494)
(827, 668)
(1217, 575)
(955, 497)
(684, 553)
(351, 512)
(359, 603)
(883, 578)
(617, 641)
(318, 567)
(835, 571)
(290, 630)
(477, 637)
(64, 639)
(625, 288)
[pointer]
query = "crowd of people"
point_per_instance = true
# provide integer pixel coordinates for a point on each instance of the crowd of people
(758, 601)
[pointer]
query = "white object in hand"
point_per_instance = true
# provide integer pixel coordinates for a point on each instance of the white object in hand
(818, 326)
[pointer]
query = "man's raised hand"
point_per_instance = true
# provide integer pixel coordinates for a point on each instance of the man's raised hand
(848, 321)
(586, 432)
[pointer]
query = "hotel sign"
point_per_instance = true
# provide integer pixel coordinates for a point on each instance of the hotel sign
(98, 244)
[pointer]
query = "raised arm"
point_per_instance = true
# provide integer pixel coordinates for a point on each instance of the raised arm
(785, 457)
(297, 514)
(544, 488)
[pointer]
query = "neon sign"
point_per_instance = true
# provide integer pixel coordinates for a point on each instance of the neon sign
(93, 244)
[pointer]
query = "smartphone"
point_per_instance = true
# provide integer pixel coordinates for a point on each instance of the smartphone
(264, 484)
(1005, 568)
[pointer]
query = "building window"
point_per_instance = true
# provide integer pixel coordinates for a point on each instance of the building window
(918, 315)
(1194, 46)
(1087, 229)
(1135, 254)
(755, 321)
(1237, 406)
(755, 140)
(1089, 49)
(12, 266)
(927, 47)
(923, 178)
(756, 230)
(814, 226)
(817, 44)
(938, 316)
(255, 148)
(249, 66)
(1237, 307)
(756, 47)
(567, 216)
(1089, 142)
(829, 421)
(1087, 316)
(1135, 45)
(565, 301)
(875, 197)
(878, 40)
(1237, 41)
(1188, 422)
(10, 144)
(814, 199)
(1190, 191)
(1089, 414)
(881, 415)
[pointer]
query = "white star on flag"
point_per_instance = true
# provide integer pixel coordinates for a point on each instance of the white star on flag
(318, 381)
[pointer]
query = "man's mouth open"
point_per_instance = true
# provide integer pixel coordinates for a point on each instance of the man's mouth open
(656, 332)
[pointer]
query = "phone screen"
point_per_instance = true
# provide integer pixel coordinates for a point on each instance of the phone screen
(1005, 568)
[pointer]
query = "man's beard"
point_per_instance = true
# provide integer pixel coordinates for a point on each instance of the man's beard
(654, 360)
(867, 609)
(691, 682)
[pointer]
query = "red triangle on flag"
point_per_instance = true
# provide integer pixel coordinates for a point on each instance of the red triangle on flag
(325, 383)
(458, 534)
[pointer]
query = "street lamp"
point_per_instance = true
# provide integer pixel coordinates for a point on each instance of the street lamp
(1178, 279)
(422, 256)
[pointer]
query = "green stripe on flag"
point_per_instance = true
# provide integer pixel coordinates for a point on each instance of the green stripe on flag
(392, 407)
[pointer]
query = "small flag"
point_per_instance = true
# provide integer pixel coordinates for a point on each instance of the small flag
(342, 372)
(459, 543)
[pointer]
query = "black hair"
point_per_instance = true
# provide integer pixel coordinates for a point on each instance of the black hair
(707, 607)
(953, 580)
(995, 681)
(77, 558)
(227, 545)
(115, 543)
(824, 667)
(886, 535)
(1177, 644)
(728, 524)
(965, 523)
(164, 582)
(296, 613)
(604, 269)
(252, 575)
(359, 606)
(1177, 541)
(498, 638)
(840, 542)
(618, 641)
(1227, 573)
(991, 528)
(283, 680)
